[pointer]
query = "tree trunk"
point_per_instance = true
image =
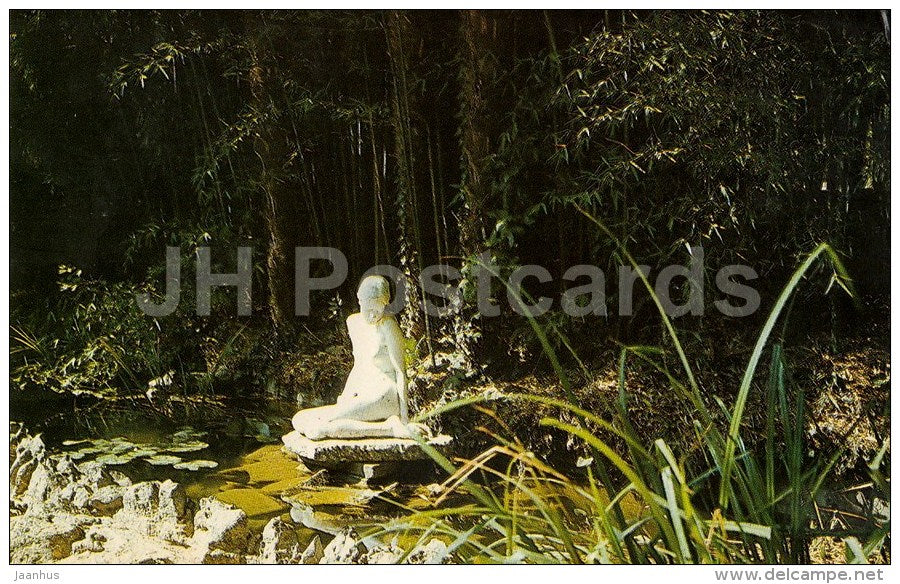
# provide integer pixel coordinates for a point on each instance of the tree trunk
(478, 67)
(272, 148)
(399, 32)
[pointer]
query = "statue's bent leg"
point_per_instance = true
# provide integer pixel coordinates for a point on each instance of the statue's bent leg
(345, 428)
(307, 420)
(370, 408)
(356, 417)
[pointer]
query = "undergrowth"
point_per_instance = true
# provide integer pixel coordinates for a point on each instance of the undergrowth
(719, 501)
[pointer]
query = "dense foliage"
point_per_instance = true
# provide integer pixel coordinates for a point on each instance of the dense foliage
(411, 138)
(405, 138)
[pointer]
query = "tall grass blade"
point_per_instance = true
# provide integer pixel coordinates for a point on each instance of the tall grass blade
(746, 381)
(675, 514)
(692, 382)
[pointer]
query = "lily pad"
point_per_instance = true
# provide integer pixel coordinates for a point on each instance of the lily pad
(115, 459)
(195, 464)
(163, 460)
(186, 434)
(74, 442)
(121, 447)
(193, 446)
(144, 451)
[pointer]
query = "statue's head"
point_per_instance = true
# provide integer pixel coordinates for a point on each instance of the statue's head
(374, 295)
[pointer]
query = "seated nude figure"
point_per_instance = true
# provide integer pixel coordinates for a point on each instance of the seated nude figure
(373, 403)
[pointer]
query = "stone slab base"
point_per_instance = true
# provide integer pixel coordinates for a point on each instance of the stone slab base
(366, 460)
(363, 450)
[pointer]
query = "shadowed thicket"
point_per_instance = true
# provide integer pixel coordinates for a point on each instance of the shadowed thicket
(410, 138)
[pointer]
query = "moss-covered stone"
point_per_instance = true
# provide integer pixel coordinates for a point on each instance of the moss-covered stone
(234, 475)
(271, 471)
(204, 488)
(333, 496)
(285, 486)
(265, 465)
(252, 502)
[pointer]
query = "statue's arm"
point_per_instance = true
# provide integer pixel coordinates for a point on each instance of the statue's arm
(395, 351)
(353, 323)
(351, 327)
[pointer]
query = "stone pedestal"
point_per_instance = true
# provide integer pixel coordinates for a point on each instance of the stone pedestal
(370, 460)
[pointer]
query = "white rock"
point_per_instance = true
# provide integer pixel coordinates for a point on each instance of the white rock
(141, 499)
(38, 540)
(280, 544)
(82, 513)
(382, 554)
(345, 548)
(221, 533)
(434, 552)
(106, 501)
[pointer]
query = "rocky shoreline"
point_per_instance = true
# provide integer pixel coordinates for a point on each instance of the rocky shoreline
(63, 511)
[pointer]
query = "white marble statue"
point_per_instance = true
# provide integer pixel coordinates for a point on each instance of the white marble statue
(373, 403)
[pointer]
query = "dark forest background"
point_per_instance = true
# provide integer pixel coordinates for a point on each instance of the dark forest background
(414, 138)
